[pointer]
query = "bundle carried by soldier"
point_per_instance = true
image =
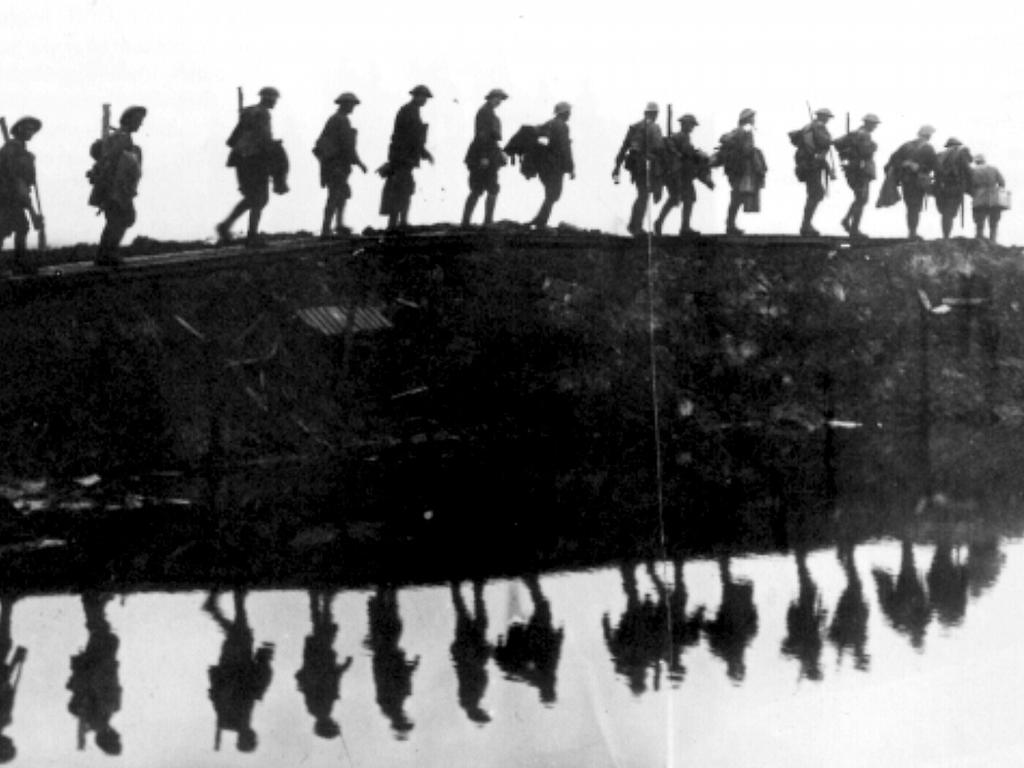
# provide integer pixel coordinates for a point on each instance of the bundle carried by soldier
(743, 163)
(253, 147)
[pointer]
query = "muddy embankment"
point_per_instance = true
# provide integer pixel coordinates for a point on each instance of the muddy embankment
(499, 386)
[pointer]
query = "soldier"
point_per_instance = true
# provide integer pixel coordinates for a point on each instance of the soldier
(913, 164)
(642, 152)
(986, 182)
(555, 161)
(484, 158)
(115, 178)
(256, 157)
(17, 176)
(744, 167)
(684, 164)
(336, 151)
(408, 147)
(952, 182)
(857, 154)
(811, 162)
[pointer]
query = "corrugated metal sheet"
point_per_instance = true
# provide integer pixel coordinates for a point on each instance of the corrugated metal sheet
(333, 320)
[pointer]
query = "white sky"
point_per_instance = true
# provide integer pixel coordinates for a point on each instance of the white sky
(911, 62)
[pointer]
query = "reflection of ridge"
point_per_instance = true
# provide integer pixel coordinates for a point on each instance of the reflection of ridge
(735, 624)
(94, 683)
(319, 679)
(849, 628)
(471, 651)
(529, 652)
(392, 672)
(650, 632)
(904, 603)
(11, 675)
(241, 676)
(804, 620)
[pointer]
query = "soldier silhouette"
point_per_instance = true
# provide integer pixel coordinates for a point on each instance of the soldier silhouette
(947, 584)
(471, 651)
(10, 667)
(804, 620)
(241, 677)
(392, 671)
(94, 684)
(636, 643)
(904, 601)
(530, 652)
(319, 679)
(849, 628)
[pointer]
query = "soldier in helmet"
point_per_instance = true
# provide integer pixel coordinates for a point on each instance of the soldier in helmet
(408, 147)
(857, 154)
(952, 182)
(986, 183)
(484, 158)
(336, 151)
(256, 157)
(812, 165)
(684, 163)
(642, 152)
(115, 179)
(554, 161)
(745, 168)
(913, 163)
(17, 177)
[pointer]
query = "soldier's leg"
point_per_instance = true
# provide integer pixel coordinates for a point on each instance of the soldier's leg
(815, 194)
(331, 211)
(257, 202)
(687, 215)
(735, 201)
(671, 202)
(490, 203)
(636, 216)
(994, 215)
(467, 209)
(914, 200)
(979, 215)
(860, 201)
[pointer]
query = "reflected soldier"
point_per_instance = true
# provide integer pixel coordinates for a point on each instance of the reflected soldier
(241, 676)
(642, 151)
(904, 602)
(984, 563)
(336, 150)
(115, 183)
(257, 157)
(849, 629)
(17, 177)
(986, 185)
(744, 167)
(484, 158)
(11, 666)
(812, 165)
(804, 620)
(392, 671)
(637, 641)
(553, 160)
(735, 624)
(685, 630)
(952, 182)
(319, 679)
(471, 651)
(94, 683)
(685, 163)
(913, 164)
(530, 652)
(857, 154)
(408, 147)
(947, 584)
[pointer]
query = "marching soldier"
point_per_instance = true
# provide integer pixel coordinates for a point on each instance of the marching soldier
(685, 163)
(17, 177)
(555, 161)
(857, 154)
(256, 157)
(986, 183)
(745, 168)
(913, 164)
(484, 158)
(336, 151)
(952, 182)
(812, 162)
(115, 179)
(642, 151)
(408, 147)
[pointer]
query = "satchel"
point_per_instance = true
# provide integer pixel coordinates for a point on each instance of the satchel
(1002, 198)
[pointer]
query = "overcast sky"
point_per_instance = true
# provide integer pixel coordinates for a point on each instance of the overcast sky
(910, 63)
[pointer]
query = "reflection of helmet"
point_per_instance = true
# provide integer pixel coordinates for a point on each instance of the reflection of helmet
(246, 740)
(7, 750)
(109, 741)
(326, 728)
(562, 107)
(478, 715)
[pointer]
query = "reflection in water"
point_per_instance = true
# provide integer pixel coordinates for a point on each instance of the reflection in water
(94, 683)
(471, 651)
(241, 677)
(984, 562)
(530, 652)
(392, 672)
(735, 624)
(947, 584)
(10, 668)
(804, 620)
(904, 603)
(319, 679)
(849, 628)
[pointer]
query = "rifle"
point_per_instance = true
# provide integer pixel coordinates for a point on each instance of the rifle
(41, 229)
(668, 121)
(241, 101)
(105, 128)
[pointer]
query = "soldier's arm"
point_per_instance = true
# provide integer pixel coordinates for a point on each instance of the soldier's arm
(621, 156)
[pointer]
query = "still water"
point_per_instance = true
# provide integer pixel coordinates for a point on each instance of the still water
(889, 653)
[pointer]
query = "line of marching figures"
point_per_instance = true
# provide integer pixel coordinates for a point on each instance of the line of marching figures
(657, 164)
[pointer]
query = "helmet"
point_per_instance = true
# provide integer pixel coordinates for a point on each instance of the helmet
(496, 93)
(421, 90)
(688, 118)
(26, 122)
(824, 112)
(747, 114)
(953, 142)
(347, 96)
(132, 112)
(871, 117)
(562, 108)
(651, 107)
(270, 91)
(925, 131)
